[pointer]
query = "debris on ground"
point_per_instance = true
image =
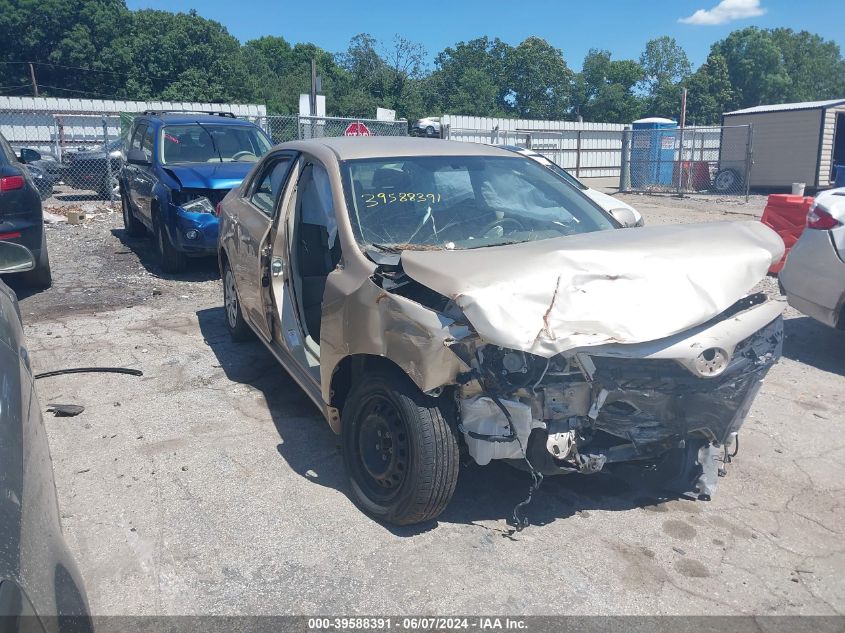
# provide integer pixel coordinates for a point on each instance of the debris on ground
(65, 410)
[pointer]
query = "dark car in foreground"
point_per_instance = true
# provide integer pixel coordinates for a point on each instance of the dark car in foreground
(21, 218)
(440, 300)
(179, 166)
(96, 169)
(40, 586)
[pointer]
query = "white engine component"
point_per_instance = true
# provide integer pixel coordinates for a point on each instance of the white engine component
(482, 417)
(560, 445)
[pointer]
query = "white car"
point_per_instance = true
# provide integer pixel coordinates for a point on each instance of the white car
(813, 278)
(428, 127)
(606, 202)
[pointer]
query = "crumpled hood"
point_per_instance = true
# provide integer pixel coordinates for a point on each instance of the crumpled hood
(211, 175)
(621, 286)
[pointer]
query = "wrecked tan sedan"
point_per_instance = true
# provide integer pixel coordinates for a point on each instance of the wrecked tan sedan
(438, 299)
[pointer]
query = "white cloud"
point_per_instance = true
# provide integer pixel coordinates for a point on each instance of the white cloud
(726, 11)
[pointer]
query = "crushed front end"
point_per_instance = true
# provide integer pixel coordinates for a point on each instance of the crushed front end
(669, 407)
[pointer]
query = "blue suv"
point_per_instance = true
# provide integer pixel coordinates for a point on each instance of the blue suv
(179, 166)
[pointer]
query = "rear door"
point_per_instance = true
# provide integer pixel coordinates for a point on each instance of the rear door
(131, 177)
(146, 178)
(256, 211)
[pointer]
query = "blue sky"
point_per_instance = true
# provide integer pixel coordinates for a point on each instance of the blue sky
(575, 26)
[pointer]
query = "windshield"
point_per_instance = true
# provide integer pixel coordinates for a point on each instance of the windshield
(459, 202)
(210, 143)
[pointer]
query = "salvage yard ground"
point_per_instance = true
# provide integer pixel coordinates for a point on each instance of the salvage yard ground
(212, 485)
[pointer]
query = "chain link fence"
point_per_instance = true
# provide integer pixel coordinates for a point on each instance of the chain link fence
(692, 160)
(292, 128)
(71, 157)
(76, 158)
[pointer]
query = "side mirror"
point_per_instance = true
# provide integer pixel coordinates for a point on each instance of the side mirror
(625, 217)
(15, 258)
(137, 157)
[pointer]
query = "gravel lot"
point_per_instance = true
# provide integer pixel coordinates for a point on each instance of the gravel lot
(212, 485)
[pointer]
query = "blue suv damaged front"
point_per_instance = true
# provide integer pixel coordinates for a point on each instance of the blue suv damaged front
(194, 193)
(200, 160)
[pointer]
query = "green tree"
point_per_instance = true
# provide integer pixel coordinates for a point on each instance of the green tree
(604, 89)
(710, 92)
(469, 78)
(539, 81)
(755, 66)
(665, 65)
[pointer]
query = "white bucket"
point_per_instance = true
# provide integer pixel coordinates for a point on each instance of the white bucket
(798, 188)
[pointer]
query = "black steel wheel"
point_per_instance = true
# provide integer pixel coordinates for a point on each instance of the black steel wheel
(401, 454)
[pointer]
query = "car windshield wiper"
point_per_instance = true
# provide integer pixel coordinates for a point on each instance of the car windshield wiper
(213, 142)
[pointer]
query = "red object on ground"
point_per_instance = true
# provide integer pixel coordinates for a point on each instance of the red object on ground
(695, 174)
(786, 215)
(357, 128)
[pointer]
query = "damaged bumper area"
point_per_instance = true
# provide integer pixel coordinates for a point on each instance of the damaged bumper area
(683, 397)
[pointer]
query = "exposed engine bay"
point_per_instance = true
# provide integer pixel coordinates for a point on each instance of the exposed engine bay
(578, 412)
(586, 408)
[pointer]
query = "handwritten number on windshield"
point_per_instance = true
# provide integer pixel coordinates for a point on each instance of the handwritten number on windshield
(375, 199)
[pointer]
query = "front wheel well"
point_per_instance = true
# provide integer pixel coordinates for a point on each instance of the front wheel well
(357, 365)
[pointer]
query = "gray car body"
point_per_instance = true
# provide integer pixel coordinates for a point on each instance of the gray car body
(38, 575)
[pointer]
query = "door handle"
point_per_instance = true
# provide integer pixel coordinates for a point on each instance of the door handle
(277, 267)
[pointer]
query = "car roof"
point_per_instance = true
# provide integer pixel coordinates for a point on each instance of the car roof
(354, 147)
(188, 117)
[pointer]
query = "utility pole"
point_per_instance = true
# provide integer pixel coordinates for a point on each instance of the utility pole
(313, 87)
(684, 109)
(34, 83)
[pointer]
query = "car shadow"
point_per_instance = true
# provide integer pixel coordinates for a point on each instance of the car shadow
(21, 289)
(812, 343)
(196, 268)
(488, 493)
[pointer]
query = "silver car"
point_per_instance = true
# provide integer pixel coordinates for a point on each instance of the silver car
(813, 278)
(438, 299)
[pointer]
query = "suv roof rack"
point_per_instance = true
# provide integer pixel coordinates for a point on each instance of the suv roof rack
(229, 115)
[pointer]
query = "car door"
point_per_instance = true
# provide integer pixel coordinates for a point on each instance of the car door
(255, 214)
(146, 178)
(130, 170)
(305, 250)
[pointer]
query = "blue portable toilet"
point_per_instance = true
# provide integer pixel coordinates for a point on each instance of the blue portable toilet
(653, 152)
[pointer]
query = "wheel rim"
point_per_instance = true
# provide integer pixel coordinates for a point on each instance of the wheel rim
(382, 449)
(724, 181)
(230, 298)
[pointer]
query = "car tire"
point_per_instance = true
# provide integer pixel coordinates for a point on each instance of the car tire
(172, 261)
(41, 276)
(109, 188)
(235, 322)
(429, 131)
(410, 475)
(728, 181)
(131, 224)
